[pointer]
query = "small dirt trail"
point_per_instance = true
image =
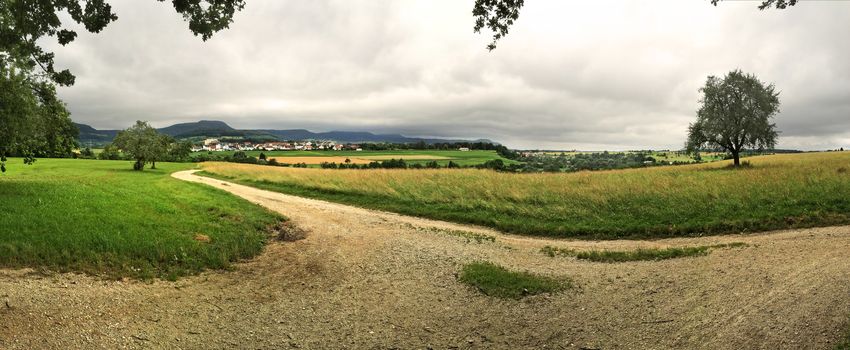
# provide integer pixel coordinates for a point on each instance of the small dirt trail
(369, 279)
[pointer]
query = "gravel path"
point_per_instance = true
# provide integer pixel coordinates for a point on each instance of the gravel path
(368, 279)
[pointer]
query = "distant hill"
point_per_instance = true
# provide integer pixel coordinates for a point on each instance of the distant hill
(90, 135)
(201, 128)
(214, 128)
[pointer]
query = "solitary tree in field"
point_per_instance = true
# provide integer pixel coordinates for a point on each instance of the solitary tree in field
(143, 143)
(735, 114)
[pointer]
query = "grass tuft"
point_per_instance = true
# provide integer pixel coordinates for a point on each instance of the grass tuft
(468, 236)
(497, 281)
(609, 256)
(614, 256)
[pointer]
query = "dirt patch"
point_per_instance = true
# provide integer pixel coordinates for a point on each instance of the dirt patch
(287, 231)
(368, 279)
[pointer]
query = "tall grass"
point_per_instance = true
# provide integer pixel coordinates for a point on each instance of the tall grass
(101, 217)
(778, 191)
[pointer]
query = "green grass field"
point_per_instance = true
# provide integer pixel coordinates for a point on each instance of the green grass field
(473, 157)
(778, 191)
(101, 217)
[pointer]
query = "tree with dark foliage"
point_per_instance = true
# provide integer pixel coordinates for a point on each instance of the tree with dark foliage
(144, 144)
(766, 4)
(736, 114)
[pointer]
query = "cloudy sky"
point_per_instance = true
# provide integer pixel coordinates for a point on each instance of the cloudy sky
(588, 75)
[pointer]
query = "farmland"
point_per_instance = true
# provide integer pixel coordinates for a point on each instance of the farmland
(99, 221)
(380, 277)
(442, 157)
(778, 191)
(102, 218)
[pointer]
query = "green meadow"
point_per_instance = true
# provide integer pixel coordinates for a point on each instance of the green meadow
(103, 218)
(777, 191)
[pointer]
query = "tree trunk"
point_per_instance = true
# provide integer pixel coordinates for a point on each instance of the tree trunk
(153, 165)
(737, 156)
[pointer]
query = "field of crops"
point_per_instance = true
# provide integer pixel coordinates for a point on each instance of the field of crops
(102, 217)
(442, 157)
(778, 191)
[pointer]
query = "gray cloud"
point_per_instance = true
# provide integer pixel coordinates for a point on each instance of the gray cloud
(584, 75)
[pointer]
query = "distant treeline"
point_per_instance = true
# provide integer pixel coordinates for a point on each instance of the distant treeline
(483, 146)
(588, 161)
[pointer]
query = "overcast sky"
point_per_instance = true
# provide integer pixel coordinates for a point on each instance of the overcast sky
(587, 75)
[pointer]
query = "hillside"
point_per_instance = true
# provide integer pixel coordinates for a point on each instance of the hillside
(90, 135)
(214, 128)
(201, 128)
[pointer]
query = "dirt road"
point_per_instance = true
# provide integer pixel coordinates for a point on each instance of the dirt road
(367, 279)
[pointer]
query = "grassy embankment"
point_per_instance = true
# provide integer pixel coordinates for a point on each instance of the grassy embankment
(442, 157)
(778, 191)
(101, 217)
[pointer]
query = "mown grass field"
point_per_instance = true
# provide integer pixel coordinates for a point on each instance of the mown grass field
(101, 217)
(778, 191)
(442, 157)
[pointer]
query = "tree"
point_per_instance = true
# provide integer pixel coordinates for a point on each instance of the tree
(143, 144)
(497, 16)
(179, 151)
(766, 4)
(23, 23)
(262, 156)
(87, 153)
(735, 114)
(110, 152)
(159, 148)
(33, 122)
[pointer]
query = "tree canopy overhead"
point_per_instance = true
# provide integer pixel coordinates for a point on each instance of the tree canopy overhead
(766, 4)
(499, 15)
(735, 114)
(496, 15)
(33, 121)
(24, 22)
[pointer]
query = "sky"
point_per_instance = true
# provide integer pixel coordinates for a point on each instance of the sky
(586, 75)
